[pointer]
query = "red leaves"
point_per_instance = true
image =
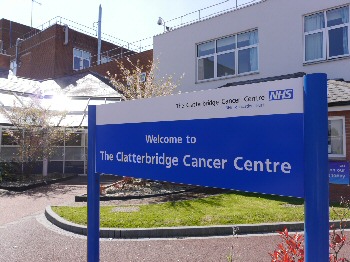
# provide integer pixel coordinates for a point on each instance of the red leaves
(291, 250)
(292, 247)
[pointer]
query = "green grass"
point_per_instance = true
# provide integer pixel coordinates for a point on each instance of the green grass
(224, 209)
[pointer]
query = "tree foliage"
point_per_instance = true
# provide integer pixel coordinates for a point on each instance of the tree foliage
(137, 81)
(36, 129)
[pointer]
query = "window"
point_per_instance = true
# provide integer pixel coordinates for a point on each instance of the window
(9, 144)
(336, 136)
(81, 59)
(228, 56)
(326, 34)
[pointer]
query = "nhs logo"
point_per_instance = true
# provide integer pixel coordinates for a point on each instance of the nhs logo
(281, 94)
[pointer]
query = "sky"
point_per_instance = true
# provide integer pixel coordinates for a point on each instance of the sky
(128, 20)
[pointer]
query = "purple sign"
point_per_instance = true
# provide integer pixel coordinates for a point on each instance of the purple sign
(339, 173)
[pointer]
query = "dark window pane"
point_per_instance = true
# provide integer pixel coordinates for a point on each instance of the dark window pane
(338, 16)
(206, 68)
(74, 153)
(57, 153)
(76, 63)
(338, 41)
(11, 137)
(10, 154)
(86, 63)
(247, 60)
(226, 44)
(246, 39)
(74, 167)
(74, 139)
(226, 64)
(206, 49)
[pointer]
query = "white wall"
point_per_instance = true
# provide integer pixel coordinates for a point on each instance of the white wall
(280, 29)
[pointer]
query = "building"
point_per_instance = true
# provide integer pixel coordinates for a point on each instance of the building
(264, 39)
(60, 65)
(61, 48)
(232, 46)
(71, 93)
(242, 44)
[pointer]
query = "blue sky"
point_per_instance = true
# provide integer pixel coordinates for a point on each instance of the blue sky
(129, 20)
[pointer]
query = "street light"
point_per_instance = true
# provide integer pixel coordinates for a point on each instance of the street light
(162, 22)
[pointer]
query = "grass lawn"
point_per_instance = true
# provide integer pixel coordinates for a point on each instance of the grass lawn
(224, 209)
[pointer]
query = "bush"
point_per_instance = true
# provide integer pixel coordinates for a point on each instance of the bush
(292, 247)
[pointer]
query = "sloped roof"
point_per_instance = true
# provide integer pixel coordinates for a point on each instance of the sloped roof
(86, 84)
(70, 93)
(338, 92)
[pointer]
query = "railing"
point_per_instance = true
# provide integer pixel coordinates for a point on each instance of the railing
(207, 12)
(136, 46)
(125, 48)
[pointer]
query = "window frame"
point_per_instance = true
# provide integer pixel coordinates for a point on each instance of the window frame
(330, 118)
(325, 37)
(81, 67)
(234, 50)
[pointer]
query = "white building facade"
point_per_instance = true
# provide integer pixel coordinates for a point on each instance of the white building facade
(265, 39)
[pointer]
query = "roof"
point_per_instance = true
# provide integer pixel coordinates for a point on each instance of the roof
(71, 93)
(86, 84)
(338, 93)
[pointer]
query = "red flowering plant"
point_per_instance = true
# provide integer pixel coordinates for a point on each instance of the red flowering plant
(337, 238)
(292, 247)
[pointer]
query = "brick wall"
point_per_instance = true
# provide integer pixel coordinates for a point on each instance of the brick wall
(4, 61)
(10, 31)
(145, 59)
(336, 192)
(45, 55)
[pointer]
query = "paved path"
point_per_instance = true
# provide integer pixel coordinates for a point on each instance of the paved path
(26, 235)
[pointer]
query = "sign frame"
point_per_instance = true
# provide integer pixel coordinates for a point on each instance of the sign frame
(316, 186)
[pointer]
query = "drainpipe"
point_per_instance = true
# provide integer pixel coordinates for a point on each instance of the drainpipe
(18, 42)
(99, 35)
(65, 30)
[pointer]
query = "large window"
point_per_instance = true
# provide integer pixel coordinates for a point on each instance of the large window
(228, 56)
(81, 59)
(326, 34)
(336, 136)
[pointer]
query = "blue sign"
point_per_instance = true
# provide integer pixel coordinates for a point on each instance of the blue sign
(267, 137)
(339, 173)
(228, 138)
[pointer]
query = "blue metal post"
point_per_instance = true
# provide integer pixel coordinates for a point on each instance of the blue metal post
(316, 168)
(93, 202)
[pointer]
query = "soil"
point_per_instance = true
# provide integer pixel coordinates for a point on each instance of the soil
(153, 192)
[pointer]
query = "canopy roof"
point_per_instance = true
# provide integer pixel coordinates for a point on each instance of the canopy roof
(70, 93)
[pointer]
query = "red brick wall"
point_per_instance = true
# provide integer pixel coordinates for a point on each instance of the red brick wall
(336, 192)
(44, 55)
(145, 58)
(4, 61)
(17, 31)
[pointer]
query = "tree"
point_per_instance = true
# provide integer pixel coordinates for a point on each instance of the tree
(36, 130)
(137, 81)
